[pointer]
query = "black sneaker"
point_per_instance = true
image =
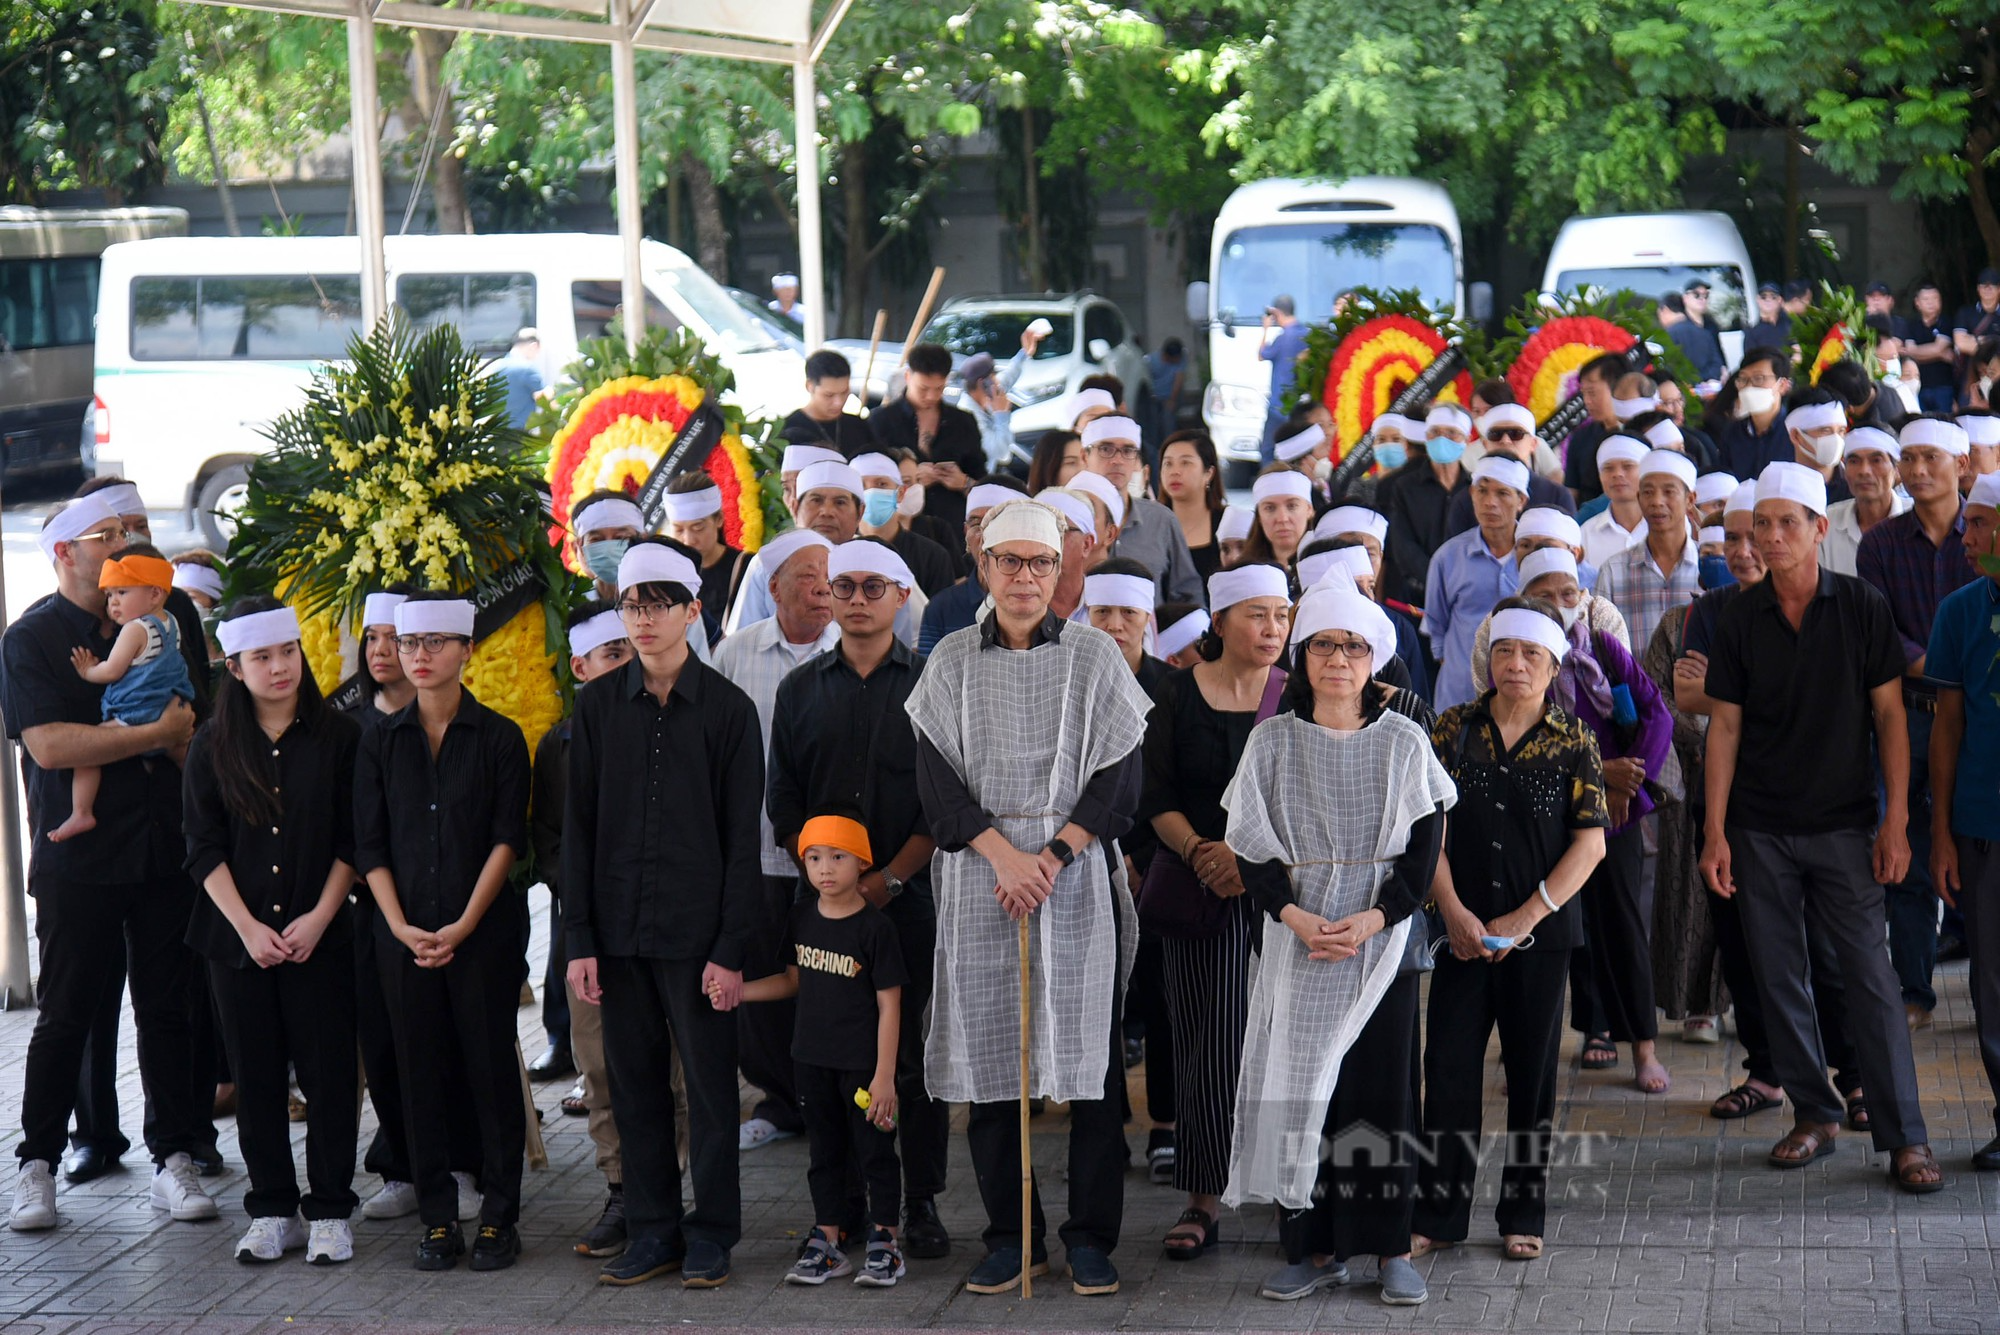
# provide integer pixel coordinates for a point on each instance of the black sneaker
(706, 1267)
(496, 1247)
(924, 1236)
(607, 1237)
(819, 1261)
(1001, 1270)
(885, 1261)
(440, 1248)
(646, 1258)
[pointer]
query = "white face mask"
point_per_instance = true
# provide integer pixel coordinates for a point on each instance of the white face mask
(1135, 486)
(912, 503)
(1826, 450)
(1755, 400)
(1570, 615)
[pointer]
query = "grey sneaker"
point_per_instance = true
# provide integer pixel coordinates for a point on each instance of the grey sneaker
(1402, 1286)
(1302, 1280)
(819, 1261)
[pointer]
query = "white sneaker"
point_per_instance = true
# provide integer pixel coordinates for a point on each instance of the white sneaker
(34, 1197)
(177, 1190)
(395, 1200)
(332, 1242)
(270, 1236)
(759, 1131)
(468, 1196)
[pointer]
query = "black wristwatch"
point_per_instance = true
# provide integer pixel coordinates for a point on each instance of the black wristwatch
(1064, 853)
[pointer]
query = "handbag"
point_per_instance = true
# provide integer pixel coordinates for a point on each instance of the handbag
(1173, 903)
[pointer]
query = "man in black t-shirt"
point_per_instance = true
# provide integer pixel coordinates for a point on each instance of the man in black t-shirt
(1805, 669)
(824, 420)
(1926, 341)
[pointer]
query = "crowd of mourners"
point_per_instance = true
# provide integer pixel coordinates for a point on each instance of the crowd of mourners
(1674, 720)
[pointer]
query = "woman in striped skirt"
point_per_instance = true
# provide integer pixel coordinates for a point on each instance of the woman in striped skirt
(1201, 720)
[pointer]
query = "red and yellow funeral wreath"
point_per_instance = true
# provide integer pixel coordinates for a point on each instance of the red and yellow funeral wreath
(620, 430)
(1832, 348)
(1543, 376)
(1375, 362)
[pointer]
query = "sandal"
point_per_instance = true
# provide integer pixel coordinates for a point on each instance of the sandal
(1907, 1165)
(1599, 1054)
(1421, 1246)
(1192, 1234)
(1857, 1113)
(573, 1104)
(1814, 1139)
(1742, 1101)
(1521, 1247)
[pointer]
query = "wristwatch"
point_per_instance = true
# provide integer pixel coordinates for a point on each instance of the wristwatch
(892, 884)
(1064, 853)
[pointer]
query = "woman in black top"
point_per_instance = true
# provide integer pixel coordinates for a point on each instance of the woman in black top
(269, 784)
(1526, 834)
(1190, 485)
(440, 816)
(1201, 719)
(1337, 814)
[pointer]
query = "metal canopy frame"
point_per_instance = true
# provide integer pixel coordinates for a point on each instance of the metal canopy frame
(778, 32)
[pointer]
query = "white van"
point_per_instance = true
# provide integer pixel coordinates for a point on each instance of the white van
(1312, 241)
(1656, 253)
(202, 341)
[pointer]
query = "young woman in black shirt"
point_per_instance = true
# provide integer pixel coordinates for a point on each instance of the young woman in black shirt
(269, 784)
(440, 816)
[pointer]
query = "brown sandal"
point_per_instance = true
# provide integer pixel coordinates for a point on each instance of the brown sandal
(1905, 1163)
(1521, 1247)
(1814, 1138)
(1421, 1246)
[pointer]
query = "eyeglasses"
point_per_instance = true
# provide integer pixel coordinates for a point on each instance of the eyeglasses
(1009, 564)
(1510, 433)
(1105, 450)
(1325, 646)
(430, 644)
(873, 589)
(652, 611)
(1700, 292)
(1757, 382)
(116, 533)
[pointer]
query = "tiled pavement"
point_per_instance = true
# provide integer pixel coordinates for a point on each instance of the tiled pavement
(1669, 1221)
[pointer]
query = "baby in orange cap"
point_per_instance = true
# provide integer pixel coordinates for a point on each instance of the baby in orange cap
(144, 671)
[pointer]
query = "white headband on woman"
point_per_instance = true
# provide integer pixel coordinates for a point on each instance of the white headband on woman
(1291, 482)
(258, 630)
(1067, 504)
(1343, 519)
(1182, 633)
(1096, 484)
(1522, 623)
(1119, 591)
(1234, 526)
(1710, 488)
(1295, 447)
(1546, 561)
(435, 616)
(652, 563)
(1627, 409)
(1714, 534)
(1401, 425)
(1226, 588)
(1665, 435)
(1023, 520)
(379, 609)
(1545, 521)
(1448, 415)
(606, 627)
(1338, 609)
(687, 506)
(198, 579)
(1353, 562)
(608, 513)
(85, 514)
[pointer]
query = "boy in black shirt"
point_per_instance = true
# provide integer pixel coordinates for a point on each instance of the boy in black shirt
(849, 978)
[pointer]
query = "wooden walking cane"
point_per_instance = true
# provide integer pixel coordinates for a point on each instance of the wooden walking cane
(1027, 1154)
(868, 371)
(538, 1153)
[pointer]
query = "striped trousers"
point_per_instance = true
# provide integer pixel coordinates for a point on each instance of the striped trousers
(1208, 1005)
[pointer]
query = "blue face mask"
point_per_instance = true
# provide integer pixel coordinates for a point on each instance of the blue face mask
(1391, 454)
(1445, 450)
(1497, 943)
(602, 558)
(1715, 572)
(877, 506)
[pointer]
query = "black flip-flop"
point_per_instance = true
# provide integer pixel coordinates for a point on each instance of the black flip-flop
(1857, 1113)
(1178, 1249)
(1602, 1049)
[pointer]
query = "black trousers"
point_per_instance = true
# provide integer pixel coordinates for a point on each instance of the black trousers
(555, 984)
(468, 1004)
(1522, 996)
(1979, 901)
(1618, 905)
(1097, 1154)
(293, 1016)
(764, 1031)
(1361, 1207)
(923, 1125)
(388, 1154)
(79, 927)
(97, 1083)
(648, 1002)
(1786, 882)
(1146, 1005)
(846, 1145)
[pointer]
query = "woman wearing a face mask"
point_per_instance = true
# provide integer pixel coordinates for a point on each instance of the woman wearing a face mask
(1612, 1002)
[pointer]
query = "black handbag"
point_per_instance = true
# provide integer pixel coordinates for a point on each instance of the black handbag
(1172, 901)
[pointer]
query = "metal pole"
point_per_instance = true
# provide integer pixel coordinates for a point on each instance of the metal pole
(365, 113)
(812, 262)
(625, 142)
(16, 989)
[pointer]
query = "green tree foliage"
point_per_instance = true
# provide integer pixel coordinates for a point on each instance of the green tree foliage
(81, 104)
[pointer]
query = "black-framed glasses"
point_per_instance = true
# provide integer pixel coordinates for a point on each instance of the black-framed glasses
(647, 611)
(1009, 564)
(430, 644)
(874, 588)
(1104, 449)
(1325, 646)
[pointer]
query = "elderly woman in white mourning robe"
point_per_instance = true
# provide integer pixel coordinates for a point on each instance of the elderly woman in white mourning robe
(1336, 815)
